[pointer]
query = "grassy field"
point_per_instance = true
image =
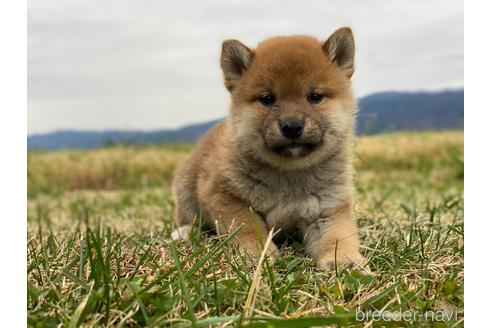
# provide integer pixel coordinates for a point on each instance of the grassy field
(99, 252)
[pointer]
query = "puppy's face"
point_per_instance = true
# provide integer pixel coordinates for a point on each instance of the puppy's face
(291, 97)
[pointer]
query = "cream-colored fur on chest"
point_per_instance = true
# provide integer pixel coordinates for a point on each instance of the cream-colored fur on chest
(292, 199)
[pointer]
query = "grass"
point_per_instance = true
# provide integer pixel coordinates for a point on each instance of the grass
(99, 252)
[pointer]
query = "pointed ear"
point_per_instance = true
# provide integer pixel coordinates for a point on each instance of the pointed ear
(235, 60)
(340, 48)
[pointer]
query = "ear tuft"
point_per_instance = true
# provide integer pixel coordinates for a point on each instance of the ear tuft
(340, 48)
(235, 60)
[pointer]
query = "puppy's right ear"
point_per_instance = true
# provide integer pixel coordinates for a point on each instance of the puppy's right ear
(234, 60)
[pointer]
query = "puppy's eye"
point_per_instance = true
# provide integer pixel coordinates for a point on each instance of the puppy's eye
(267, 100)
(315, 97)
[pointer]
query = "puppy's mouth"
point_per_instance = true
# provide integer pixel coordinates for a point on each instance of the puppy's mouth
(295, 150)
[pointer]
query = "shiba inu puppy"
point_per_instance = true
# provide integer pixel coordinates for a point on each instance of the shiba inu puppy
(282, 157)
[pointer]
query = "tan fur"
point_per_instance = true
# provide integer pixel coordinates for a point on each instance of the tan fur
(245, 172)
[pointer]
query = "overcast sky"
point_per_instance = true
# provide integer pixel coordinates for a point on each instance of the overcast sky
(124, 64)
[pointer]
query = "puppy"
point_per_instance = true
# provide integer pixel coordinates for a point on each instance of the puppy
(282, 158)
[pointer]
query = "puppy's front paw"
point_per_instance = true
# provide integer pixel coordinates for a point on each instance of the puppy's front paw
(181, 233)
(352, 259)
(254, 250)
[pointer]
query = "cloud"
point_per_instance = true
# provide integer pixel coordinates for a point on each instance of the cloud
(154, 64)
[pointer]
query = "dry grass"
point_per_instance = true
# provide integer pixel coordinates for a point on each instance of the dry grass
(99, 254)
(107, 168)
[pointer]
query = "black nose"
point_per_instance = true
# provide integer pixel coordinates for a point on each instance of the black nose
(292, 128)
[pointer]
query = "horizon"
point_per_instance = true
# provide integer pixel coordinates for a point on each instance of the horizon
(192, 124)
(121, 66)
(189, 124)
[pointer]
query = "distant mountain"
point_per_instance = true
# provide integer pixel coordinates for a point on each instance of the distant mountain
(379, 112)
(396, 111)
(92, 139)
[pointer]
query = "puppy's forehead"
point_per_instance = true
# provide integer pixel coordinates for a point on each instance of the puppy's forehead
(290, 65)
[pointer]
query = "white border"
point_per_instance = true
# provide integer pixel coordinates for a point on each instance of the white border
(478, 164)
(13, 177)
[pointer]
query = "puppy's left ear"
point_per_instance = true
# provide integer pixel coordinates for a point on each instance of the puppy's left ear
(234, 60)
(340, 48)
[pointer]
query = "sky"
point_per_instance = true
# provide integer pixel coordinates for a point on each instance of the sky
(146, 65)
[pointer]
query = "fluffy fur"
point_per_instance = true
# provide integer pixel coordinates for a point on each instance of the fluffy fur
(245, 171)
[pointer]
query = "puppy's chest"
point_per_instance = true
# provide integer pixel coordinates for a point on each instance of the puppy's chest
(287, 211)
(285, 200)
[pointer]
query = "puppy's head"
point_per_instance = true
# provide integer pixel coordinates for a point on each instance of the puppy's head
(291, 97)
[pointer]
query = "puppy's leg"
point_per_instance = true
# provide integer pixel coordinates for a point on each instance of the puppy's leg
(186, 207)
(227, 213)
(334, 239)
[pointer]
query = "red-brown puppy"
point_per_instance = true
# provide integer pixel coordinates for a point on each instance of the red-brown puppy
(284, 150)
